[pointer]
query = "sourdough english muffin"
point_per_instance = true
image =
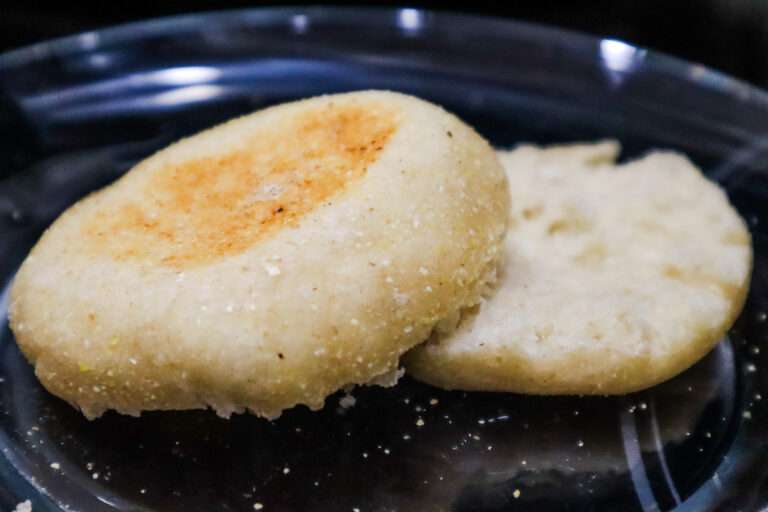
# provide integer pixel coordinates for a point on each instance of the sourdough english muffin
(266, 262)
(615, 278)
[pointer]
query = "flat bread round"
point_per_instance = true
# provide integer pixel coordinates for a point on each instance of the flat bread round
(615, 278)
(266, 262)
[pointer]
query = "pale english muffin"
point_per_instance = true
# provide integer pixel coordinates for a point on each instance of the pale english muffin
(266, 262)
(615, 278)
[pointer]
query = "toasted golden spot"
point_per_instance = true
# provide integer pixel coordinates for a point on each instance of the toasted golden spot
(592, 255)
(532, 212)
(198, 211)
(543, 333)
(697, 278)
(574, 223)
(736, 237)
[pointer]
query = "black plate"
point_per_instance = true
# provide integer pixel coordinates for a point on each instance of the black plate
(77, 112)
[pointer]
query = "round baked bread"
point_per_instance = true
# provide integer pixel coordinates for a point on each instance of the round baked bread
(266, 262)
(615, 278)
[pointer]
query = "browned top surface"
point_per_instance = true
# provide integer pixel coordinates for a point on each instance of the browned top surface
(200, 210)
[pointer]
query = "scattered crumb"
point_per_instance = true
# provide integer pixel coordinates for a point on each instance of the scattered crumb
(419, 422)
(347, 401)
(55, 465)
(286, 470)
(24, 506)
(516, 493)
(258, 506)
(434, 401)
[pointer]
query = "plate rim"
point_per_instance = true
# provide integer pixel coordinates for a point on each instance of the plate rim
(705, 76)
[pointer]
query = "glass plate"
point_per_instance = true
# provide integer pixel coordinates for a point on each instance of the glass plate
(77, 112)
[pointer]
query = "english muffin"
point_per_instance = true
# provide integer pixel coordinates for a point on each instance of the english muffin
(266, 262)
(615, 278)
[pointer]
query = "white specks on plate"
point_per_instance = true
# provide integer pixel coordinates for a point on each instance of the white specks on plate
(24, 506)
(347, 401)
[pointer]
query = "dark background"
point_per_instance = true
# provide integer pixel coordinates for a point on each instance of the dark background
(730, 35)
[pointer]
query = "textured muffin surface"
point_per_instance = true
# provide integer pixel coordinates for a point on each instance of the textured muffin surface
(266, 262)
(615, 278)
